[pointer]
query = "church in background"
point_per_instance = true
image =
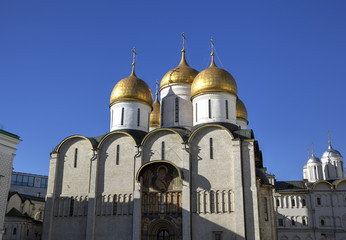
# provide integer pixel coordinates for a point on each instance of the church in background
(184, 167)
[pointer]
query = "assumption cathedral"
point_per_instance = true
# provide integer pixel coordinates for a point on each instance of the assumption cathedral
(185, 167)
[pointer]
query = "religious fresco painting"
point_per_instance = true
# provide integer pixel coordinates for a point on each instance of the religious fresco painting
(161, 202)
(161, 178)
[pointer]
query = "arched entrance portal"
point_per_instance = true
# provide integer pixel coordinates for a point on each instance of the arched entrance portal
(161, 201)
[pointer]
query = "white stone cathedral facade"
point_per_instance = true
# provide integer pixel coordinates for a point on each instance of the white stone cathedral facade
(185, 167)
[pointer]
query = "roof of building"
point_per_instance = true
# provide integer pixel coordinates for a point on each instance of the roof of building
(9, 134)
(25, 197)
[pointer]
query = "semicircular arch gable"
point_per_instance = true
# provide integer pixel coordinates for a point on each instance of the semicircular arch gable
(322, 182)
(156, 131)
(194, 133)
(58, 148)
(112, 134)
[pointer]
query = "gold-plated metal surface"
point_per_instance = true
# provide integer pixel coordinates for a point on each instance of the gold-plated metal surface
(213, 79)
(182, 74)
(155, 113)
(241, 110)
(132, 88)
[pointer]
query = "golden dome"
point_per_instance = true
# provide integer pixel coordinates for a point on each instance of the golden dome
(131, 89)
(213, 79)
(155, 114)
(182, 74)
(241, 110)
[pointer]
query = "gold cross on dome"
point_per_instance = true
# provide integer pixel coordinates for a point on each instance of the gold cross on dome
(157, 86)
(184, 38)
(134, 56)
(212, 46)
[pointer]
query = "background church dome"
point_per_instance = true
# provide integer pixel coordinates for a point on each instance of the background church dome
(155, 114)
(331, 153)
(314, 159)
(213, 79)
(241, 110)
(182, 74)
(131, 89)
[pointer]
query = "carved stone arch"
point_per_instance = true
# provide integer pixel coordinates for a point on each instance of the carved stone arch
(155, 227)
(296, 237)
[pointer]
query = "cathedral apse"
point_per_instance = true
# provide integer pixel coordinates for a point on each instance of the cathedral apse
(161, 201)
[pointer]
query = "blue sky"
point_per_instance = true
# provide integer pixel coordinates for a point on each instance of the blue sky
(59, 62)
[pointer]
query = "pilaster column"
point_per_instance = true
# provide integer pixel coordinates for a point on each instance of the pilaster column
(50, 196)
(90, 228)
(136, 232)
(187, 198)
(239, 207)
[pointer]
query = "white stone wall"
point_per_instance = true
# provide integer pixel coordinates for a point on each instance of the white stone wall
(130, 116)
(242, 123)
(7, 150)
(322, 217)
(173, 150)
(168, 106)
(218, 108)
(220, 174)
(74, 180)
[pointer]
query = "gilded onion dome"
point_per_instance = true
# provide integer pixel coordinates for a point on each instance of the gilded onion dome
(182, 74)
(213, 79)
(241, 110)
(131, 89)
(155, 113)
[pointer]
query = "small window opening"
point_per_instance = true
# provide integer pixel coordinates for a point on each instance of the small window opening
(304, 221)
(303, 202)
(265, 203)
(318, 201)
(211, 148)
(115, 204)
(212, 202)
(277, 202)
(226, 109)
(122, 116)
(138, 116)
(163, 150)
(75, 157)
(176, 109)
(281, 222)
(117, 154)
(14, 231)
(71, 207)
(322, 222)
(209, 108)
(293, 203)
(293, 222)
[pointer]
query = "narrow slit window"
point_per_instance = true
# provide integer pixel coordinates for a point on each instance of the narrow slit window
(212, 202)
(163, 150)
(14, 231)
(122, 116)
(277, 202)
(318, 201)
(162, 203)
(209, 108)
(226, 104)
(71, 207)
(117, 154)
(176, 109)
(303, 203)
(75, 157)
(293, 203)
(304, 221)
(115, 205)
(138, 116)
(265, 203)
(211, 148)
